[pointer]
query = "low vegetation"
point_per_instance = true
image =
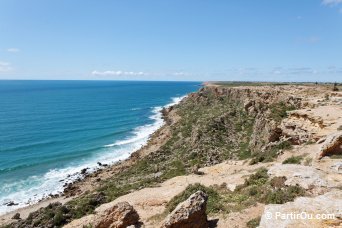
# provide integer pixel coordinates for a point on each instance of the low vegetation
(257, 188)
(271, 153)
(279, 110)
(253, 223)
(293, 160)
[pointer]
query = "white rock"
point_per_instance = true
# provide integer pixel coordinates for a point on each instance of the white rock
(304, 176)
(298, 214)
(337, 167)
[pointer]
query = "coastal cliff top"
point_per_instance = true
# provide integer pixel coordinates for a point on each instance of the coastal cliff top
(248, 146)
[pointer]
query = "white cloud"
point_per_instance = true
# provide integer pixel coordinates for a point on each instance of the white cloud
(331, 2)
(180, 74)
(305, 71)
(117, 73)
(13, 50)
(5, 66)
(137, 73)
(301, 70)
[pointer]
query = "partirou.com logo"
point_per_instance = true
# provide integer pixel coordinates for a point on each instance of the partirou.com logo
(298, 215)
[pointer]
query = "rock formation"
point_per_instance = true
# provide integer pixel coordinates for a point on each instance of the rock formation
(303, 212)
(120, 215)
(303, 176)
(190, 213)
(332, 145)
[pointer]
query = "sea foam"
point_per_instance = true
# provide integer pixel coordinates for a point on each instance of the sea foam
(54, 180)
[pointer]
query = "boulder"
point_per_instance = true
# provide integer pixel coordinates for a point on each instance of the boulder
(320, 211)
(190, 213)
(121, 215)
(11, 203)
(16, 216)
(332, 145)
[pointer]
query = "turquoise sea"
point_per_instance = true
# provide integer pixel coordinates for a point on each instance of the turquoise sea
(50, 130)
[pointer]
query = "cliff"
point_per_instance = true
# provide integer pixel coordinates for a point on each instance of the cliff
(229, 142)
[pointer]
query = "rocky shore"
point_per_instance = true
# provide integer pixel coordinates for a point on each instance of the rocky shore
(227, 156)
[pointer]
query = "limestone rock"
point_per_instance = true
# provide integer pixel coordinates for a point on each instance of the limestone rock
(120, 215)
(332, 145)
(337, 167)
(304, 176)
(190, 213)
(304, 212)
(301, 127)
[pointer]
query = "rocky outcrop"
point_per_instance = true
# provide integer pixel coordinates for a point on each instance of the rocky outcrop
(304, 176)
(300, 127)
(190, 213)
(120, 215)
(260, 103)
(321, 211)
(332, 145)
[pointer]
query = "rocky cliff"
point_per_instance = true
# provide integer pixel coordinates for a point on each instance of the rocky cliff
(229, 142)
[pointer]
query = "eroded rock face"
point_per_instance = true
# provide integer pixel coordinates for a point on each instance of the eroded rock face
(332, 145)
(303, 176)
(304, 212)
(120, 215)
(300, 127)
(190, 213)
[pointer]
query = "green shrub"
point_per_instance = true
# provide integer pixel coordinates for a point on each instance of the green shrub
(270, 153)
(259, 188)
(58, 219)
(259, 178)
(293, 160)
(279, 111)
(287, 194)
(253, 223)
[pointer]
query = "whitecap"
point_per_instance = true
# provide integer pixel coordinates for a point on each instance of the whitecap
(36, 188)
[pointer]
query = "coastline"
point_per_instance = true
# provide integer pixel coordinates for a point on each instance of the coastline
(88, 180)
(155, 176)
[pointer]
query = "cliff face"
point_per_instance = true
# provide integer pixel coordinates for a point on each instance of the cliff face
(245, 119)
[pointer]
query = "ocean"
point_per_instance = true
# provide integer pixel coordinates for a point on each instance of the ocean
(50, 130)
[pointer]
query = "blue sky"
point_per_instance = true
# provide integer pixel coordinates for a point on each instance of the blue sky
(200, 40)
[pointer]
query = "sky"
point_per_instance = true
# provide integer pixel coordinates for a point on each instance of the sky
(194, 40)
